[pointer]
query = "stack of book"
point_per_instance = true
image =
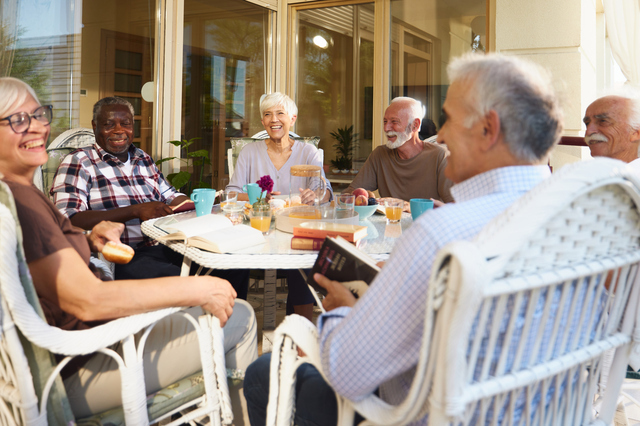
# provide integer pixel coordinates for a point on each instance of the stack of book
(311, 235)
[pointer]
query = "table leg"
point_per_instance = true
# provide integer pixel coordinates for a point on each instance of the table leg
(186, 267)
(269, 310)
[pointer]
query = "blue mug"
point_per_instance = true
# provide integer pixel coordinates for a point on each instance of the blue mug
(203, 199)
(253, 191)
(419, 206)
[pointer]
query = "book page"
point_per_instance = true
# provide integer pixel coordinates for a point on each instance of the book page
(196, 226)
(228, 240)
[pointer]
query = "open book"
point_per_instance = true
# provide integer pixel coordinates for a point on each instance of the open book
(212, 232)
(341, 261)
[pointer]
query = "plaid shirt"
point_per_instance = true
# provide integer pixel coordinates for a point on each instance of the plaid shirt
(377, 342)
(92, 179)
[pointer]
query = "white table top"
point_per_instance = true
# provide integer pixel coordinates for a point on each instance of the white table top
(276, 253)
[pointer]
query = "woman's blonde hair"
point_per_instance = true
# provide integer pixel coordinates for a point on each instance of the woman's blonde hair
(13, 93)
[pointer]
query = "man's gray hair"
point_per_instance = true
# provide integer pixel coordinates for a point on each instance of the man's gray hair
(110, 100)
(520, 92)
(278, 99)
(415, 108)
(632, 94)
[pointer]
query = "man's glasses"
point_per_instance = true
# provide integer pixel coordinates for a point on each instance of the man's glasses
(21, 121)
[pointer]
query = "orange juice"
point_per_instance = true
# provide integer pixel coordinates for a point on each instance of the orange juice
(394, 213)
(261, 223)
(305, 215)
(222, 204)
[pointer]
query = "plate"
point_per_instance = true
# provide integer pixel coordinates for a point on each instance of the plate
(285, 223)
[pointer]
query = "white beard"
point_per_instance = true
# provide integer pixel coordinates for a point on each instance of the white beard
(401, 138)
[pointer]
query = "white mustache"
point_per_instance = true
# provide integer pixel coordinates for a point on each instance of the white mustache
(596, 137)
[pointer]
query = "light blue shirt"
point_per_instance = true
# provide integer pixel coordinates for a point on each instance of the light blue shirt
(376, 344)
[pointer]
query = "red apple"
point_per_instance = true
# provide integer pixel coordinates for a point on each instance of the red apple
(362, 200)
(360, 191)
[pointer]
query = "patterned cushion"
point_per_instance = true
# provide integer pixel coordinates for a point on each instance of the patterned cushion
(163, 401)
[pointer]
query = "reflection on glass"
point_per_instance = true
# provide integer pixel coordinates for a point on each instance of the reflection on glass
(223, 75)
(74, 52)
(335, 75)
(425, 35)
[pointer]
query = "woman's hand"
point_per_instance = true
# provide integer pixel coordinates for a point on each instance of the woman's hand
(307, 196)
(220, 299)
(271, 194)
(104, 232)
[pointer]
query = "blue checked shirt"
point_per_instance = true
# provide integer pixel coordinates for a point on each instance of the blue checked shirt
(376, 344)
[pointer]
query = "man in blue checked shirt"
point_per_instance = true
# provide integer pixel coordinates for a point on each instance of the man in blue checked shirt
(502, 119)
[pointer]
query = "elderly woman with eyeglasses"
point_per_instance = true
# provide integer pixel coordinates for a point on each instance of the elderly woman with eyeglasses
(73, 298)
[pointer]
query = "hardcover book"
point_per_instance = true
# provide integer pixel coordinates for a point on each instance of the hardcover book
(318, 229)
(303, 243)
(341, 261)
(211, 232)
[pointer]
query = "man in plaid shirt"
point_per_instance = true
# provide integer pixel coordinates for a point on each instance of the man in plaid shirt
(113, 180)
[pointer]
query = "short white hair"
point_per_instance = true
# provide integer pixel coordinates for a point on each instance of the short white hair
(278, 99)
(415, 108)
(14, 93)
(632, 94)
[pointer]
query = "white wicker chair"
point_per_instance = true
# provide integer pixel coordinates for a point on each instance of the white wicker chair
(31, 391)
(566, 238)
(59, 148)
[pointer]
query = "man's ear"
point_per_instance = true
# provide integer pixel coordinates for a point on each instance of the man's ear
(491, 130)
(93, 124)
(416, 125)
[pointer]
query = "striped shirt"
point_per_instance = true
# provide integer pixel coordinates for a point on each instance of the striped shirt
(92, 179)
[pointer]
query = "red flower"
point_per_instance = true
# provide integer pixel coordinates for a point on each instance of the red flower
(265, 183)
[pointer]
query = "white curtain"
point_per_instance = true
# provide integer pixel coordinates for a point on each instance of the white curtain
(623, 28)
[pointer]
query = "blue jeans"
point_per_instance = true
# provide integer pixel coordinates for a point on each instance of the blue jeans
(315, 400)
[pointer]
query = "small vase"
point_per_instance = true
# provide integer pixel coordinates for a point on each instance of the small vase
(260, 206)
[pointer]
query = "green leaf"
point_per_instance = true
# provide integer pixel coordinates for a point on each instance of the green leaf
(180, 179)
(175, 143)
(201, 153)
(162, 160)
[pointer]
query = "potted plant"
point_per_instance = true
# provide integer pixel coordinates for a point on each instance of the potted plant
(346, 142)
(182, 180)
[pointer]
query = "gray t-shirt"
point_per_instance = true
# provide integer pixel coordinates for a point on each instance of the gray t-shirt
(254, 162)
(419, 177)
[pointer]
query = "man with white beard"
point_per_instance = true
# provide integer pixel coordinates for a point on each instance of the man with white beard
(613, 127)
(406, 167)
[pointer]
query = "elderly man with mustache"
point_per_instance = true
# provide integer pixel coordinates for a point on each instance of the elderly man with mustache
(613, 127)
(405, 167)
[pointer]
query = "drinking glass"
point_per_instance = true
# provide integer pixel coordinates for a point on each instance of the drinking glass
(228, 196)
(308, 176)
(393, 209)
(261, 220)
(344, 205)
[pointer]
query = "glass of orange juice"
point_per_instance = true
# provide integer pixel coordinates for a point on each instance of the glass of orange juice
(393, 209)
(261, 220)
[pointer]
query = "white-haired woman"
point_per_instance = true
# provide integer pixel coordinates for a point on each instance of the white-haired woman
(73, 298)
(274, 156)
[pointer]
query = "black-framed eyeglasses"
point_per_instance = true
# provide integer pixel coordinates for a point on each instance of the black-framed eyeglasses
(21, 121)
